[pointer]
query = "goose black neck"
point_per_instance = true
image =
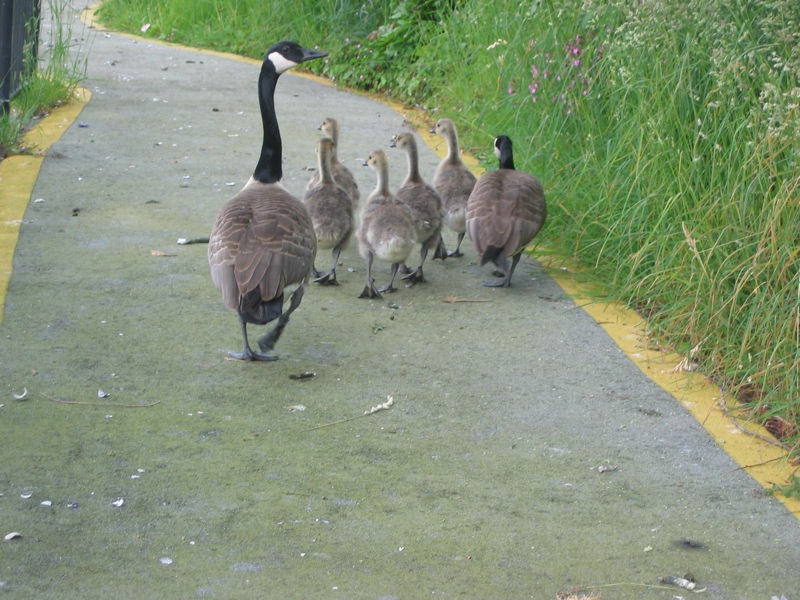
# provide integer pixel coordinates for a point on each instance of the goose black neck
(507, 161)
(269, 168)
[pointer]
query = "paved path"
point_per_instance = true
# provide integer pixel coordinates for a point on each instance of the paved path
(200, 477)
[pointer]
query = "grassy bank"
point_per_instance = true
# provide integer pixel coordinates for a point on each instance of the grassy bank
(666, 134)
(51, 77)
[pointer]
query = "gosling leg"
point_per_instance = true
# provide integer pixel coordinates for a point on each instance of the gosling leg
(369, 290)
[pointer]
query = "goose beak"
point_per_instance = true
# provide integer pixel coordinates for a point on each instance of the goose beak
(312, 54)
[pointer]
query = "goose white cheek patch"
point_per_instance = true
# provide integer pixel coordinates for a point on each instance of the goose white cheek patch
(282, 64)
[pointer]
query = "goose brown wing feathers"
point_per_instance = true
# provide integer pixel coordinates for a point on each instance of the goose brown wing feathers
(258, 242)
(506, 210)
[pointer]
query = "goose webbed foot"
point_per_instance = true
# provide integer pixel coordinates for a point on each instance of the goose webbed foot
(506, 276)
(247, 355)
(386, 289)
(504, 282)
(370, 291)
(328, 278)
(404, 269)
(416, 276)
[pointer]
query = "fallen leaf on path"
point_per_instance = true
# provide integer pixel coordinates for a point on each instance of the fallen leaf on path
(454, 299)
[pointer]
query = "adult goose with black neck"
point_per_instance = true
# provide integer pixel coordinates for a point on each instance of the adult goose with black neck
(262, 243)
(505, 210)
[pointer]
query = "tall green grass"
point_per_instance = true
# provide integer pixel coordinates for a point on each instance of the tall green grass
(666, 134)
(53, 74)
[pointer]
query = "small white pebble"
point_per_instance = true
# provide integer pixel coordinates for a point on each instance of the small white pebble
(118, 502)
(47, 503)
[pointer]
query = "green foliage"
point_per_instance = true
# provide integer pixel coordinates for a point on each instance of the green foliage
(666, 134)
(790, 490)
(51, 82)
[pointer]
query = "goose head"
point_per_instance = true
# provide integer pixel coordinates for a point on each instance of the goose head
(442, 127)
(377, 160)
(329, 127)
(285, 55)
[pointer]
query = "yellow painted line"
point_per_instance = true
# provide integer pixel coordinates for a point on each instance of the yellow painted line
(764, 462)
(18, 175)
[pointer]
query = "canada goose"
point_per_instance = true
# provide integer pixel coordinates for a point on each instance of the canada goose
(263, 239)
(341, 174)
(331, 210)
(454, 182)
(423, 201)
(504, 213)
(386, 230)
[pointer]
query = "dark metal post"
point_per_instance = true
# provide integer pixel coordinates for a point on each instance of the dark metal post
(19, 27)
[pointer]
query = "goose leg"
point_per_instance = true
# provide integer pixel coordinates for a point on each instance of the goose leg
(501, 270)
(389, 286)
(457, 252)
(329, 278)
(441, 250)
(369, 290)
(416, 275)
(247, 353)
(514, 261)
(267, 341)
(506, 274)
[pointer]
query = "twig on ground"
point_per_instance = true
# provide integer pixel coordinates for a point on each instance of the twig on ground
(454, 299)
(385, 406)
(743, 429)
(106, 404)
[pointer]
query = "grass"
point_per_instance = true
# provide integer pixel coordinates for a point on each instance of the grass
(666, 134)
(51, 79)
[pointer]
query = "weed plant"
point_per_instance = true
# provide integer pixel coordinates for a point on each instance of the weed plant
(51, 80)
(666, 134)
